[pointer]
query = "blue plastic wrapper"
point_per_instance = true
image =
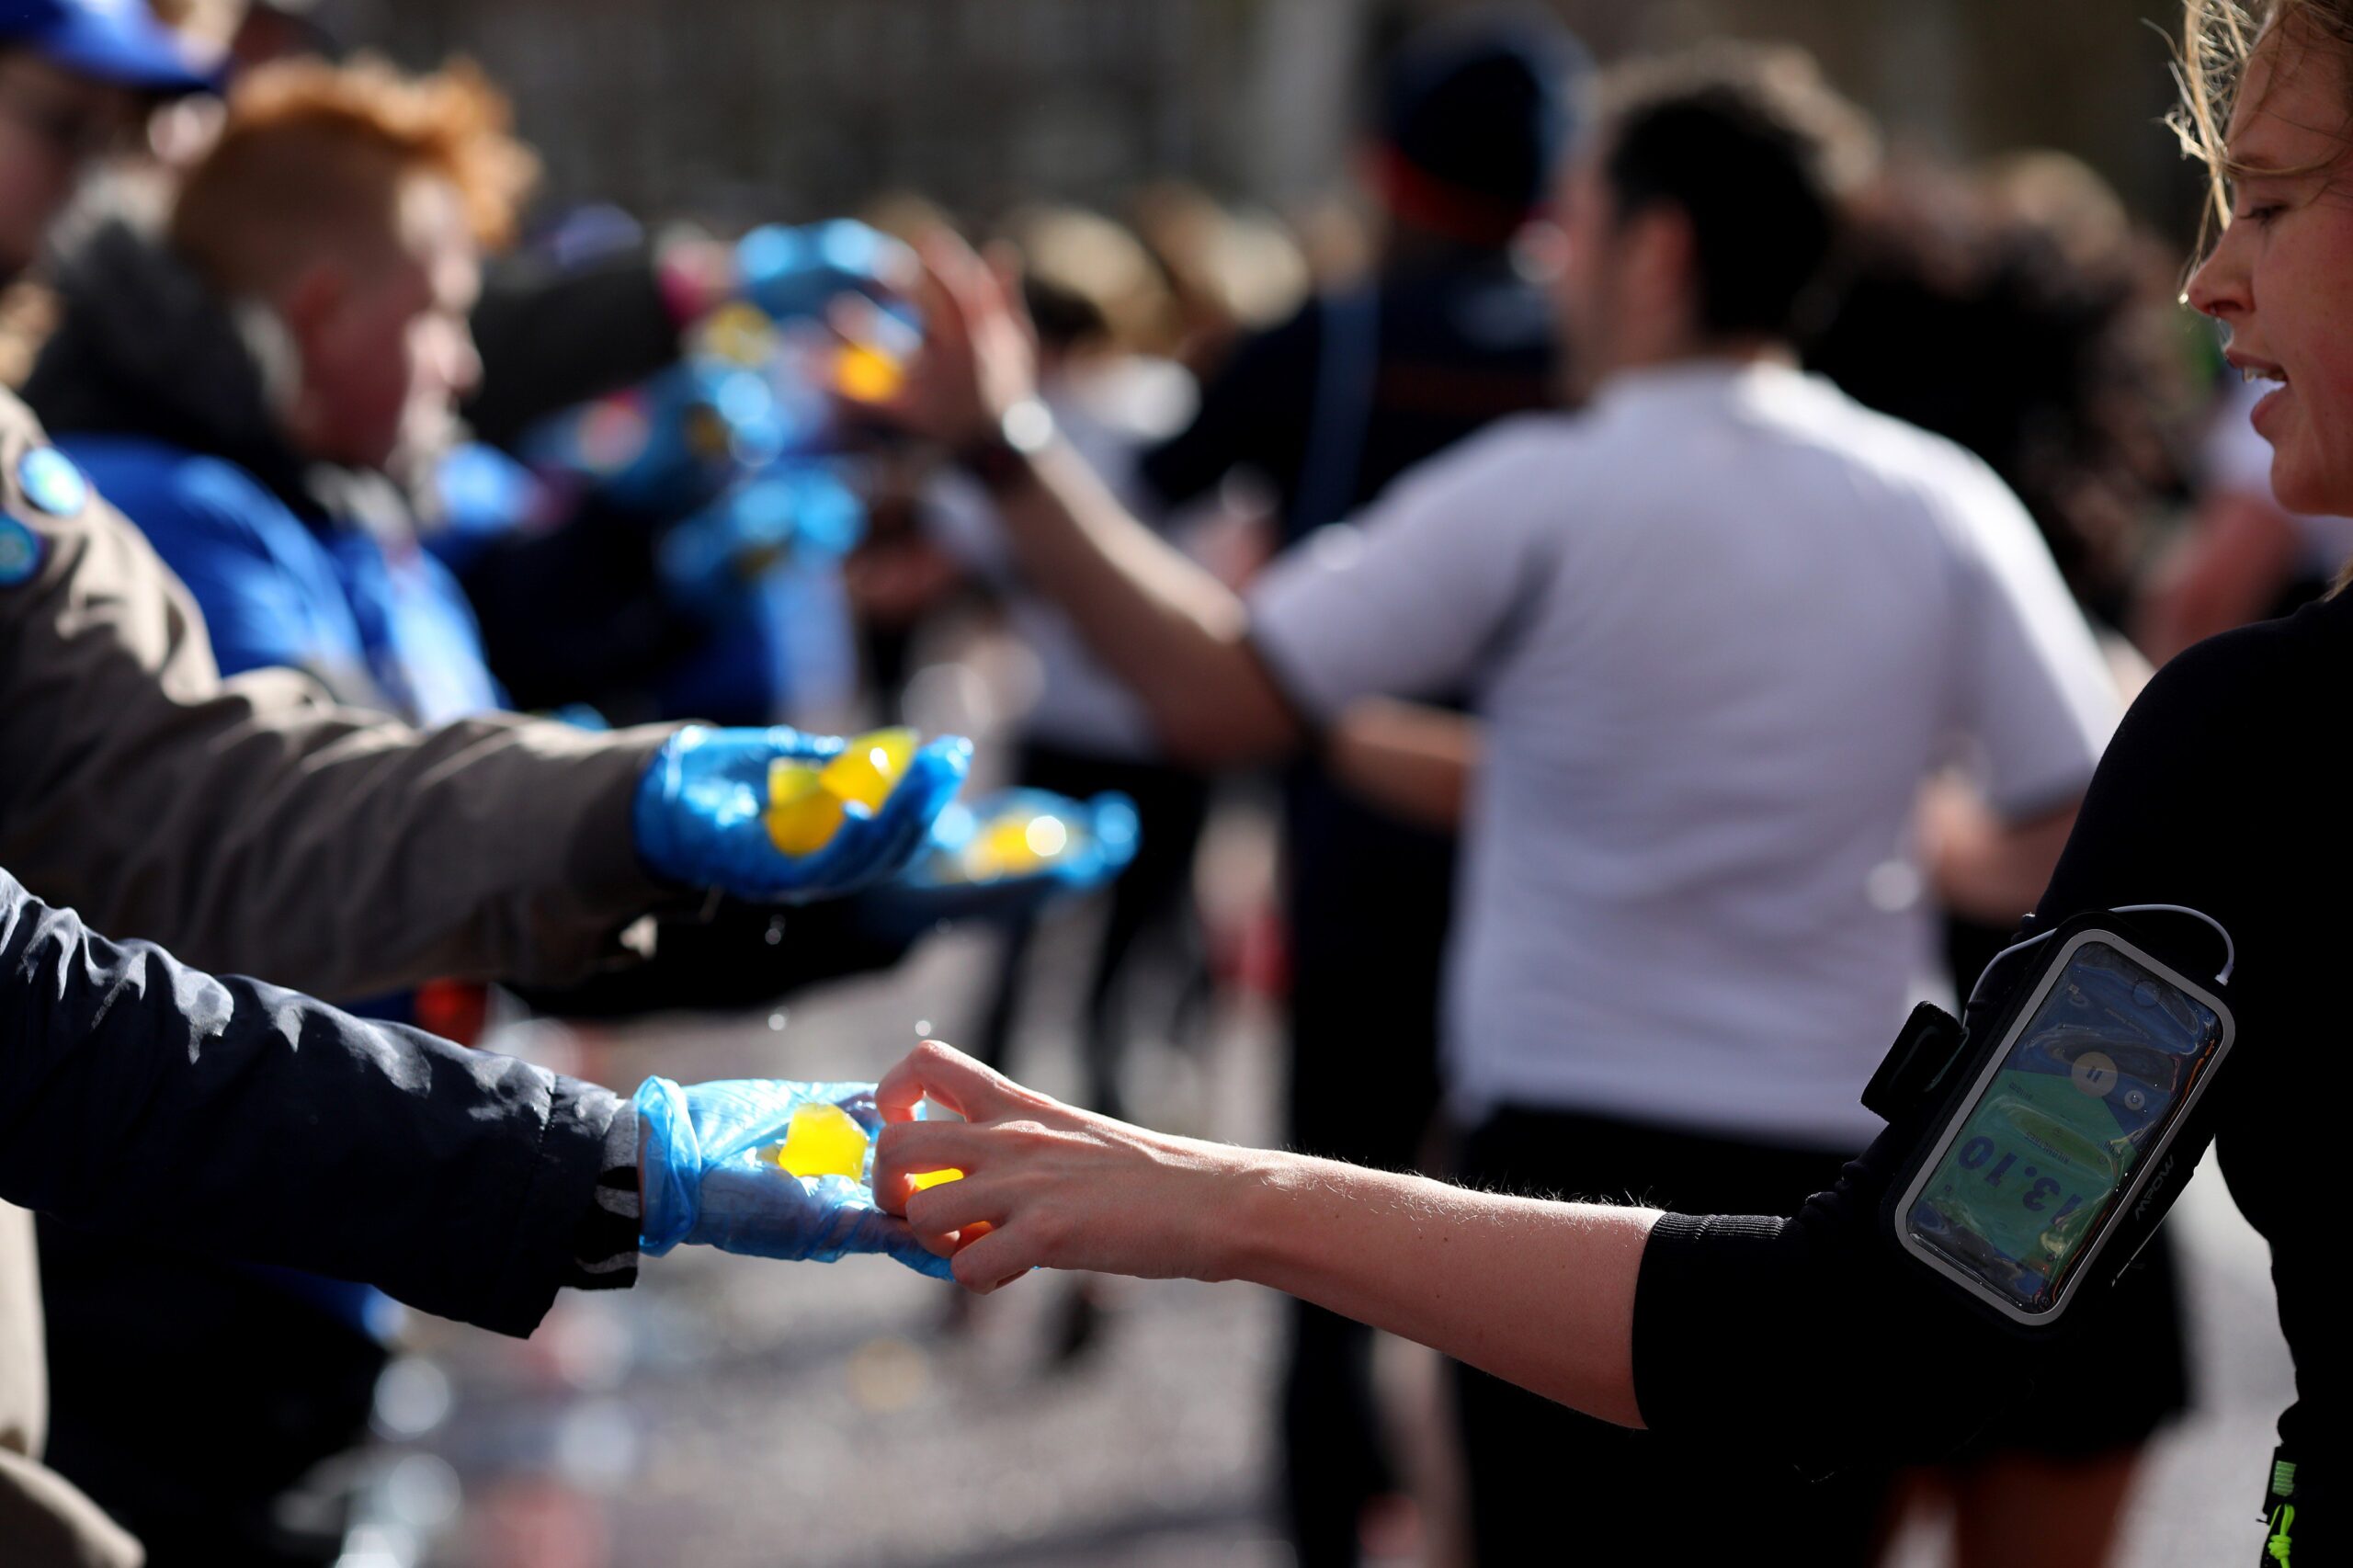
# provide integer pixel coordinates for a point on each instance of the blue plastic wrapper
(794, 273)
(698, 814)
(673, 443)
(801, 507)
(711, 1177)
(948, 881)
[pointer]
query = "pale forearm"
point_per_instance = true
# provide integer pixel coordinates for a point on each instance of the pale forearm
(1982, 867)
(1540, 1294)
(1409, 759)
(1168, 629)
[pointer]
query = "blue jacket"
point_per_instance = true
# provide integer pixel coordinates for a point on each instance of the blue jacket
(384, 624)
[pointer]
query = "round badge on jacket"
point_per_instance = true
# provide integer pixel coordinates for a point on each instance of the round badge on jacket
(19, 552)
(52, 482)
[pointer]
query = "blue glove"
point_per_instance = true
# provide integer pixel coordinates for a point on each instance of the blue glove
(942, 885)
(708, 1184)
(793, 507)
(697, 809)
(796, 273)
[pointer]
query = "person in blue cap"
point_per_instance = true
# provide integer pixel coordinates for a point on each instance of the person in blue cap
(74, 77)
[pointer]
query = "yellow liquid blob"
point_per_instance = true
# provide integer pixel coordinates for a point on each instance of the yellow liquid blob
(802, 815)
(706, 432)
(1013, 846)
(822, 1141)
(871, 764)
(864, 373)
(739, 334)
(934, 1178)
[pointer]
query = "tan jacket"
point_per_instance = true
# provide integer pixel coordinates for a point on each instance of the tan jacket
(251, 827)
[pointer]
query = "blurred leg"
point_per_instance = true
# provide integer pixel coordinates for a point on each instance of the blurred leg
(993, 1044)
(2069, 1470)
(1153, 896)
(2034, 1511)
(1547, 1483)
(1334, 1461)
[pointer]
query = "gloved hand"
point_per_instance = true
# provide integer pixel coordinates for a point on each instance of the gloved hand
(800, 506)
(959, 875)
(796, 272)
(707, 1183)
(698, 814)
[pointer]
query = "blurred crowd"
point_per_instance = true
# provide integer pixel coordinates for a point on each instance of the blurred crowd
(617, 469)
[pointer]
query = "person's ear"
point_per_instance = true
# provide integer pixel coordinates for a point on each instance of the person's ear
(1659, 258)
(312, 300)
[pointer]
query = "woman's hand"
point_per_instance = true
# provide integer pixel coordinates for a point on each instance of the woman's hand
(1539, 1293)
(1047, 1184)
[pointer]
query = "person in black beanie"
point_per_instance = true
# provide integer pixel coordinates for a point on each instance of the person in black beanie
(1326, 409)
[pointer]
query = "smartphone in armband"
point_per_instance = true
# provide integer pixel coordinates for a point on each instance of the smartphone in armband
(2061, 1137)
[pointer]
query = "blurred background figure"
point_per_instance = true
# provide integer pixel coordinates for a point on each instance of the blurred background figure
(1277, 251)
(1098, 303)
(1448, 333)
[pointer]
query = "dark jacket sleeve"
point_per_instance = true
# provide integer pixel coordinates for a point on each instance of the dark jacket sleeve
(250, 825)
(138, 1095)
(552, 336)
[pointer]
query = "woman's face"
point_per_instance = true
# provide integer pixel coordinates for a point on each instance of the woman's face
(2281, 278)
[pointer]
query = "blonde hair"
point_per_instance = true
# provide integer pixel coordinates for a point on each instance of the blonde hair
(310, 153)
(2218, 39)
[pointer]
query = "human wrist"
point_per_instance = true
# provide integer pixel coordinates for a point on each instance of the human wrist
(1254, 1214)
(654, 827)
(669, 1166)
(1002, 448)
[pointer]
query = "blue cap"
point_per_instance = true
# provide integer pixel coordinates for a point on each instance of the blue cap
(1483, 102)
(111, 40)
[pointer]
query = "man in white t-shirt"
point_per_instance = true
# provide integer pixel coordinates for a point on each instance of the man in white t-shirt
(1719, 626)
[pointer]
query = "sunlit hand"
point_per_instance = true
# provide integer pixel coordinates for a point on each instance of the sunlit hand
(980, 354)
(1046, 1185)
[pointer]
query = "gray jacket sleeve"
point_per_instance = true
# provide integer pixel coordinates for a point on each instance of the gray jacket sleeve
(250, 825)
(139, 1095)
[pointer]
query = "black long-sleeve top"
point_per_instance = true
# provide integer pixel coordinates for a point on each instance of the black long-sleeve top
(2226, 789)
(141, 1097)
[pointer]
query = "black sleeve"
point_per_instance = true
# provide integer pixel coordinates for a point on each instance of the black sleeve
(141, 1097)
(1806, 1338)
(2188, 790)
(1811, 1336)
(1253, 415)
(745, 956)
(550, 338)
